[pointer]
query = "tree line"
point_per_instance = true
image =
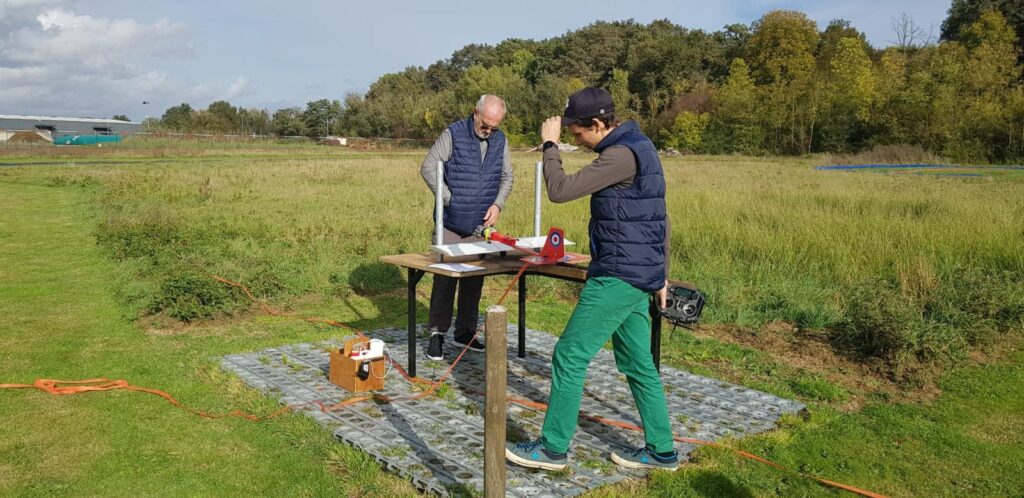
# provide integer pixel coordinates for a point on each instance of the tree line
(780, 85)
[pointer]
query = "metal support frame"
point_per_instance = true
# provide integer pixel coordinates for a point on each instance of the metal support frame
(414, 278)
(439, 205)
(522, 316)
(537, 199)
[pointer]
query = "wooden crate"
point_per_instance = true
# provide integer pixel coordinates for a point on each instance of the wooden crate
(343, 370)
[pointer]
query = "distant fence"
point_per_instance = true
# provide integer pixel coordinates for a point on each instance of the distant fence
(359, 143)
(354, 142)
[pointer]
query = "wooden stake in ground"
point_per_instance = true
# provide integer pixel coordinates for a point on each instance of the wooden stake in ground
(495, 329)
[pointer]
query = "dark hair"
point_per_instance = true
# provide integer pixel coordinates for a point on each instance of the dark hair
(609, 119)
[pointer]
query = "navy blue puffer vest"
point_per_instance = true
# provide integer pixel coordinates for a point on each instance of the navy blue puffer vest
(627, 226)
(473, 183)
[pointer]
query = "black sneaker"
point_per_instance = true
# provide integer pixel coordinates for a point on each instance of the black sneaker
(435, 351)
(474, 345)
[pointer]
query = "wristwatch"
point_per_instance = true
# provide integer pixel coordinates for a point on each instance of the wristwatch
(548, 145)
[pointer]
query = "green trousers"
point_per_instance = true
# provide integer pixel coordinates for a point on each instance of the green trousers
(608, 307)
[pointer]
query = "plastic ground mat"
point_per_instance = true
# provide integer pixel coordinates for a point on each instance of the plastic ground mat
(437, 441)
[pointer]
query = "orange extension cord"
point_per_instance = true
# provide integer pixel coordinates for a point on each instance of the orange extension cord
(66, 387)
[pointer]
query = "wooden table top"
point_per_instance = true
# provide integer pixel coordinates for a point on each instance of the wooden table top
(491, 266)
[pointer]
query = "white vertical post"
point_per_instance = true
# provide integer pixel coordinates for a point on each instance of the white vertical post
(439, 205)
(537, 199)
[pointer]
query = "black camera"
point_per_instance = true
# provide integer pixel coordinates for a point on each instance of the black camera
(683, 305)
(364, 370)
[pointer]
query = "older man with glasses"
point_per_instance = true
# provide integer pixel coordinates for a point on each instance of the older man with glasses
(477, 180)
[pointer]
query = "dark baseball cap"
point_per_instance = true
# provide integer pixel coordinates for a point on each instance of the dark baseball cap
(587, 103)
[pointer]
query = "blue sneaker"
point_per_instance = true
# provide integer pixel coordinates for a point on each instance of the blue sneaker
(644, 458)
(532, 454)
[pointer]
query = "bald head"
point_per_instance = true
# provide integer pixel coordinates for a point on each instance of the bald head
(487, 116)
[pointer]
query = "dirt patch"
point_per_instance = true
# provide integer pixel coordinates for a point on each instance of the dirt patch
(809, 352)
(27, 137)
(361, 144)
(999, 351)
(164, 326)
(245, 322)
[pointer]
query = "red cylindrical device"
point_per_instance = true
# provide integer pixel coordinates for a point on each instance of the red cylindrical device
(493, 235)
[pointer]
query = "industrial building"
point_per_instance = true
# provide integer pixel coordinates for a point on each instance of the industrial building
(51, 127)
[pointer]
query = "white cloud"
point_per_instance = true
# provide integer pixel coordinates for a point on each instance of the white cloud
(62, 36)
(238, 87)
(60, 62)
(10, 9)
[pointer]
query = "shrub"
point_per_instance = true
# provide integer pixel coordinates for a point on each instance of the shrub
(911, 327)
(982, 305)
(268, 277)
(880, 322)
(687, 131)
(374, 278)
(189, 295)
(152, 234)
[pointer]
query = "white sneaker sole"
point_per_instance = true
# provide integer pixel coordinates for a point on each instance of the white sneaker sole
(637, 465)
(532, 464)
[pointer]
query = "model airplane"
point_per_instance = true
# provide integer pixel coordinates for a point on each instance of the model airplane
(552, 247)
(553, 251)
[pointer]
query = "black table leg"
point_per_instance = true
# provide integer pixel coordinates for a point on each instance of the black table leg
(522, 315)
(414, 278)
(656, 333)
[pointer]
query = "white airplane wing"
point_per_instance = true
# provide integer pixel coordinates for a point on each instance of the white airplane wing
(473, 248)
(531, 244)
(536, 243)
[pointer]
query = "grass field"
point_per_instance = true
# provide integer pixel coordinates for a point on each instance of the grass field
(891, 304)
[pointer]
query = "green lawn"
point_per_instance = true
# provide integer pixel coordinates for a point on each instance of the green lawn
(105, 253)
(62, 320)
(969, 442)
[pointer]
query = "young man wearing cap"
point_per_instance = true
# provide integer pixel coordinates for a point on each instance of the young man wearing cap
(477, 180)
(629, 247)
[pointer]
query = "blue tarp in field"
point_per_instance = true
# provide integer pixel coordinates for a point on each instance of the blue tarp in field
(86, 139)
(909, 166)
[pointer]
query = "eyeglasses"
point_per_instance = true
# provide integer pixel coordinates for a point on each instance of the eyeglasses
(486, 127)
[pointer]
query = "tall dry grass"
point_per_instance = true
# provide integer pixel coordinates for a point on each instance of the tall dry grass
(886, 154)
(905, 269)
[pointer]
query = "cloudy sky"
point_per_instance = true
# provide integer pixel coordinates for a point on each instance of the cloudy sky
(103, 57)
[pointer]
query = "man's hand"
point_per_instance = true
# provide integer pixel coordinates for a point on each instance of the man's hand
(491, 217)
(551, 129)
(663, 296)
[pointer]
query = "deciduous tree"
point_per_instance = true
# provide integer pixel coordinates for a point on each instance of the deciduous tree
(781, 52)
(963, 13)
(288, 122)
(320, 115)
(178, 118)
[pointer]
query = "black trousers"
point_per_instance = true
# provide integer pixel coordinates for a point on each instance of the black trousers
(442, 298)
